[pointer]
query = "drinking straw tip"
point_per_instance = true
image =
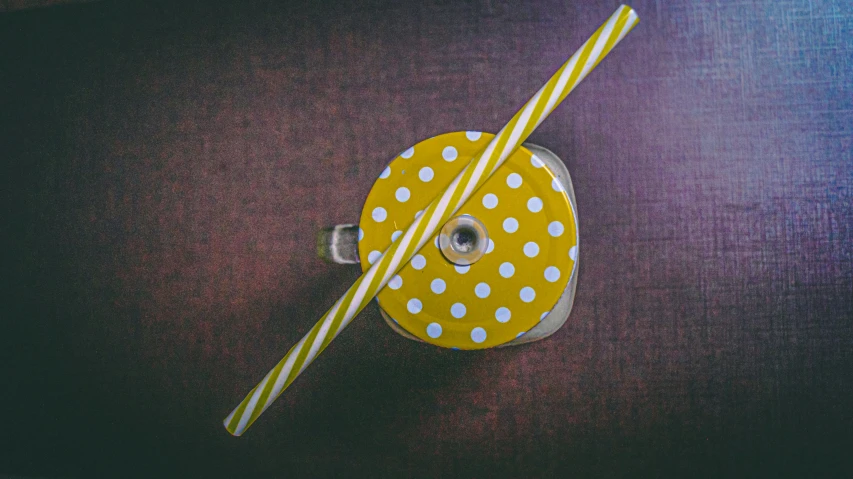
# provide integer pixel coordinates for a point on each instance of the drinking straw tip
(632, 14)
(231, 431)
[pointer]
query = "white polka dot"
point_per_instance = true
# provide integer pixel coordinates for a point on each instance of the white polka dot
(573, 253)
(458, 310)
(527, 294)
(379, 214)
(482, 290)
(506, 270)
(438, 286)
(434, 330)
(373, 256)
(395, 282)
(519, 334)
(543, 315)
(534, 205)
(556, 185)
(418, 262)
(536, 162)
(478, 335)
(395, 235)
(552, 274)
(510, 225)
(385, 173)
(503, 314)
(473, 135)
(449, 153)
(513, 180)
(555, 228)
(402, 194)
(461, 269)
(491, 246)
(426, 174)
(360, 234)
(490, 201)
(408, 153)
(531, 249)
(418, 214)
(414, 306)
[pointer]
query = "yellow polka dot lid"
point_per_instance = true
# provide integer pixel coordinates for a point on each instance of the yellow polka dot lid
(521, 220)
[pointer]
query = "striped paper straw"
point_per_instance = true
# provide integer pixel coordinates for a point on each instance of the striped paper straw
(436, 214)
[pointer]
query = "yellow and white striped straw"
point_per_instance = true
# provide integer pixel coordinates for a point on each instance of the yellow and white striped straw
(436, 214)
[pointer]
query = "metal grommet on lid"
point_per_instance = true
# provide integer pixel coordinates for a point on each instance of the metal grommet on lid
(527, 259)
(463, 240)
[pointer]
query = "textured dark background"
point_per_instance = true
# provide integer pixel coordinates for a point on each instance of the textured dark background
(13, 5)
(165, 167)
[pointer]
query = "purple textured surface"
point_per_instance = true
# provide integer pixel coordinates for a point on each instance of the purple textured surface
(166, 168)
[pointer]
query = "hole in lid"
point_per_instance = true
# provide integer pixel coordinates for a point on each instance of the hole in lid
(463, 240)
